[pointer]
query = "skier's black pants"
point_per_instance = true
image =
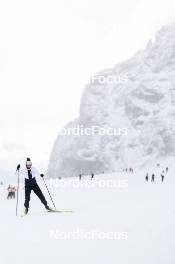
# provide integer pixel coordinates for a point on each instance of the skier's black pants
(31, 185)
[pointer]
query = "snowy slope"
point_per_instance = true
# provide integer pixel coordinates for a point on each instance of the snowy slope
(140, 98)
(143, 211)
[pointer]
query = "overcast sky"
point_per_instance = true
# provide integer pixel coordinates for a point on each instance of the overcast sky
(48, 51)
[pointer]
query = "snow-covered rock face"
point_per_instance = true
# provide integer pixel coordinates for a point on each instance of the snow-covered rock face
(139, 95)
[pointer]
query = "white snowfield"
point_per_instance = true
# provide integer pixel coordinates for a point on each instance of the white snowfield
(118, 218)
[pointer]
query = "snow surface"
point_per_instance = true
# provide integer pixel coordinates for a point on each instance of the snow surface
(143, 211)
(143, 102)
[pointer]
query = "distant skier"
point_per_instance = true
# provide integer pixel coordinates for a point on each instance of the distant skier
(153, 178)
(162, 176)
(80, 176)
(146, 178)
(9, 189)
(29, 173)
(92, 176)
(166, 169)
(11, 192)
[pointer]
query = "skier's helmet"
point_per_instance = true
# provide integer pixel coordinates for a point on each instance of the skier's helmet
(28, 164)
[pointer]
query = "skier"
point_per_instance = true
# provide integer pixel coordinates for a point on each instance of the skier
(9, 189)
(92, 176)
(162, 176)
(153, 177)
(166, 169)
(146, 178)
(29, 173)
(80, 176)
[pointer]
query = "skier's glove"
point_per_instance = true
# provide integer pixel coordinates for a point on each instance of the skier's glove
(42, 175)
(18, 167)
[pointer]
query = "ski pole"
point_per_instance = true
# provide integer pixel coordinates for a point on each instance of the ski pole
(18, 167)
(42, 175)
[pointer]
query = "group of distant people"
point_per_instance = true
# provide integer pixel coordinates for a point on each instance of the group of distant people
(80, 176)
(148, 176)
(128, 170)
(92, 176)
(162, 175)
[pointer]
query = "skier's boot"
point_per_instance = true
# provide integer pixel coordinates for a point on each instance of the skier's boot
(49, 209)
(26, 211)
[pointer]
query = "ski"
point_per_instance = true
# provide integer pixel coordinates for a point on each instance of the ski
(51, 211)
(60, 211)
